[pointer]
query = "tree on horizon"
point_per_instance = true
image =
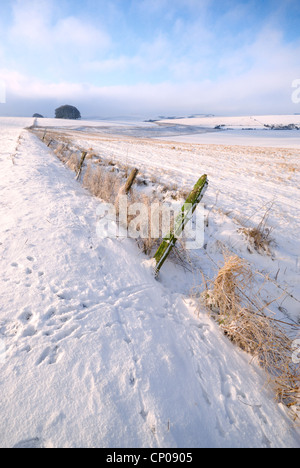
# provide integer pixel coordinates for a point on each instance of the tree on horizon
(67, 112)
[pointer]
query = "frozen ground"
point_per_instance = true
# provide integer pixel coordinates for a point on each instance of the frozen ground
(256, 121)
(240, 131)
(250, 138)
(244, 182)
(97, 352)
(245, 131)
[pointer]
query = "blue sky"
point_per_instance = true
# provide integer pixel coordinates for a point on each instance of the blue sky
(112, 57)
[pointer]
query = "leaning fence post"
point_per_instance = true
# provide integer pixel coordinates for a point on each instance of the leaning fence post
(181, 221)
(83, 156)
(130, 180)
(124, 190)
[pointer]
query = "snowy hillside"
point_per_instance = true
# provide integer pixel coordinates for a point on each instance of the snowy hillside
(255, 121)
(95, 351)
(261, 130)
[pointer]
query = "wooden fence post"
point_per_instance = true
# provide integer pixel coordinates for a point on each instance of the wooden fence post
(124, 190)
(181, 221)
(83, 156)
(130, 181)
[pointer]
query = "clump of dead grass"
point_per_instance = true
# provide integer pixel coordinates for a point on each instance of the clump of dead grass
(102, 183)
(106, 179)
(246, 324)
(259, 237)
(147, 240)
(73, 161)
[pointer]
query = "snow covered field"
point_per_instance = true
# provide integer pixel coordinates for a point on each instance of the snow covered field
(256, 121)
(97, 353)
(245, 131)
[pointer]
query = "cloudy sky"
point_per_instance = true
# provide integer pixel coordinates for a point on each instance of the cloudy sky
(149, 57)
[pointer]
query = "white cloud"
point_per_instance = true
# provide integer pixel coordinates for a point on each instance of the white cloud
(194, 71)
(118, 64)
(34, 24)
(249, 93)
(31, 21)
(149, 57)
(26, 87)
(80, 34)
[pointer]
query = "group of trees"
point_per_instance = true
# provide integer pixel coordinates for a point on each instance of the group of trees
(64, 112)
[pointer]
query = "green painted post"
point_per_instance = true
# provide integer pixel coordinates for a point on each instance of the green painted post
(181, 221)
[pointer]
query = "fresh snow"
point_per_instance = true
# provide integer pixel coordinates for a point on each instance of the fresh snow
(97, 352)
(245, 130)
(256, 121)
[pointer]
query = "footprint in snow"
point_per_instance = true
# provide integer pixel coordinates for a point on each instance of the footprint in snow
(61, 335)
(132, 380)
(51, 353)
(29, 331)
(144, 414)
(34, 443)
(64, 295)
(30, 259)
(50, 313)
(25, 316)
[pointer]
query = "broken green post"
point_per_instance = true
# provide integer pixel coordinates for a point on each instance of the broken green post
(181, 221)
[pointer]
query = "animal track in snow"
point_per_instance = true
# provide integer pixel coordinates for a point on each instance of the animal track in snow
(34, 443)
(50, 313)
(132, 380)
(25, 316)
(29, 331)
(52, 354)
(144, 414)
(64, 333)
(11, 329)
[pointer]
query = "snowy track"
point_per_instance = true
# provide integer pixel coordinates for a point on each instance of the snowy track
(98, 353)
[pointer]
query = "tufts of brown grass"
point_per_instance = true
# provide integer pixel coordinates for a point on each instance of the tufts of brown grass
(245, 323)
(259, 237)
(72, 161)
(147, 241)
(106, 179)
(102, 183)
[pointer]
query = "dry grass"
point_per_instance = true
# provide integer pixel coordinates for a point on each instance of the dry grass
(289, 167)
(245, 323)
(105, 179)
(73, 161)
(241, 318)
(259, 237)
(147, 241)
(102, 183)
(14, 154)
